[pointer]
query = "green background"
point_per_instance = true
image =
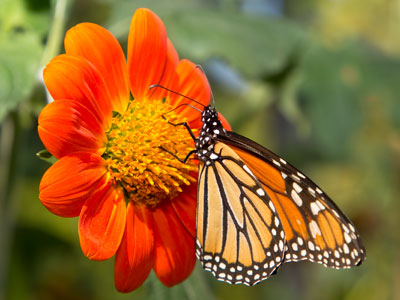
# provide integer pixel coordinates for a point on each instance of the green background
(318, 83)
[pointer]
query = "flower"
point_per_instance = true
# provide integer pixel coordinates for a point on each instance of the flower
(117, 165)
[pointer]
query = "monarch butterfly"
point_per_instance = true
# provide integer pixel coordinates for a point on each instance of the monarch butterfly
(255, 211)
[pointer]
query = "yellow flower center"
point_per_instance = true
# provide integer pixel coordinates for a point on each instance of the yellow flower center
(138, 153)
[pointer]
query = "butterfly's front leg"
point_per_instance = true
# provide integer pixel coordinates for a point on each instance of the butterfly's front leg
(191, 134)
(183, 124)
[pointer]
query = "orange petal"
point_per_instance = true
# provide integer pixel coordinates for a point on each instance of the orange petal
(102, 222)
(147, 52)
(191, 82)
(174, 247)
(75, 78)
(66, 126)
(184, 207)
(135, 256)
(102, 49)
(168, 73)
(68, 183)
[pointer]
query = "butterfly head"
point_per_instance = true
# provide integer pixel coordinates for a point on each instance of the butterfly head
(212, 126)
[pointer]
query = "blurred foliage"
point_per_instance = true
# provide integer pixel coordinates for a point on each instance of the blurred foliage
(377, 22)
(316, 83)
(21, 31)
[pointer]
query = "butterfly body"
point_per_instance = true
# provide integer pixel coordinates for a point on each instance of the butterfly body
(212, 127)
(255, 211)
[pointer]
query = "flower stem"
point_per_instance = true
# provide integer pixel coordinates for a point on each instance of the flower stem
(56, 31)
(9, 142)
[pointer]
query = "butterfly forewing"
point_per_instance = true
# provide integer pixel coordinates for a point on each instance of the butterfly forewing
(239, 237)
(315, 228)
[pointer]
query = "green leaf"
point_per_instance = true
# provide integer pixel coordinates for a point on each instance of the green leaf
(20, 51)
(19, 62)
(253, 45)
(46, 156)
(338, 84)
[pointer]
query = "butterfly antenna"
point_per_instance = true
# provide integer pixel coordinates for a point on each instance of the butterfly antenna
(212, 95)
(180, 105)
(167, 89)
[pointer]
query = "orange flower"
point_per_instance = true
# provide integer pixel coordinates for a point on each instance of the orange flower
(133, 198)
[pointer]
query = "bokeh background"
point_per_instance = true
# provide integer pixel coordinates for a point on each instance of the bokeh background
(318, 82)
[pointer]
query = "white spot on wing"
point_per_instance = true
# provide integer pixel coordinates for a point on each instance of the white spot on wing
(213, 156)
(281, 245)
(261, 192)
(297, 187)
(247, 170)
(347, 237)
(276, 162)
(301, 175)
(295, 177)
(300, 241)
(314, 208)
(320, 205)
(276, 220)
(314, 228)
(271, 206)
(271, 264)
(295, 247)
(296, 198)
(311, 246)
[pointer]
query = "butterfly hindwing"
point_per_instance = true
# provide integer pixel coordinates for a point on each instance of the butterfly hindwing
(239, 237)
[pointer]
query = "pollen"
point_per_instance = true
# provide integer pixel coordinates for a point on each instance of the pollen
(144, 152)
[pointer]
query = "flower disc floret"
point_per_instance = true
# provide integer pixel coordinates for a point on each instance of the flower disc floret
(143, 149)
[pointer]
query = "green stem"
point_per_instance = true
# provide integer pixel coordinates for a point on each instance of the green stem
(56, 31)
(10, 132)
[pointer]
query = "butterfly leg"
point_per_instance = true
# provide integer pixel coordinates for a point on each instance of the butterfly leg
(174, 155)
(191, 134)
(182, 124)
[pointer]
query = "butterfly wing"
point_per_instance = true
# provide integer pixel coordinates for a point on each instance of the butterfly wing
(315, 228)
(239, 237)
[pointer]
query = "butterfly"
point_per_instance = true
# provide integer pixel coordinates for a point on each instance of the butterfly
(255, 211)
